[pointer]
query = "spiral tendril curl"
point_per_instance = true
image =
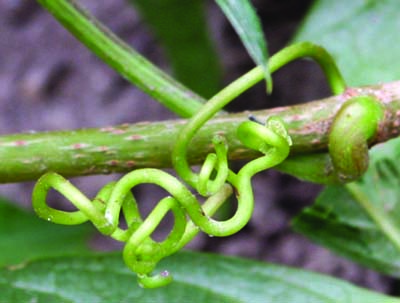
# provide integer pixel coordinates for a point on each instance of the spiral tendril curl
(141, 253)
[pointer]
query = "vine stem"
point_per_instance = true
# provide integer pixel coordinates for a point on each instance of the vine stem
(122, 148)
(125, 60)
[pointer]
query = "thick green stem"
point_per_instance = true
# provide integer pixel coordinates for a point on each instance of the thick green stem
(125, 60)
(123, 148)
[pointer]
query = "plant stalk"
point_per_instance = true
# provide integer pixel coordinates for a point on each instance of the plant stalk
(126, 147)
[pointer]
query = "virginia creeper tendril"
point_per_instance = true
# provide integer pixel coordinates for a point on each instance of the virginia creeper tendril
(215, 181)
(216, 103)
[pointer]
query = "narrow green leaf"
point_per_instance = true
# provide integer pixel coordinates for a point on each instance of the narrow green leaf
(247, 25)
(362, 220)
(182, 30)
(198, 278)
(124, 59)
(23, 236)
(362, 35)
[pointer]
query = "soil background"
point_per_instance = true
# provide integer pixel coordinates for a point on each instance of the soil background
(48, 81)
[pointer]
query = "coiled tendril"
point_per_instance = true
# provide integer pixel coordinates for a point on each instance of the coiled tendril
(141, 253)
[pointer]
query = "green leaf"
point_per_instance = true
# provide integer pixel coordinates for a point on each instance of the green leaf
(182, 30)
(362, 35)
(197, 278)
(121, 57)
(362, 220)
(247, 25)
(23, 236)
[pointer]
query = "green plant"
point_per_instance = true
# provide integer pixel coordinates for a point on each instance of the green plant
(370, 115)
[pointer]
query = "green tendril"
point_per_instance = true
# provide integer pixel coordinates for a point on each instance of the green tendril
(357, 122)
(205, 186)
(216, 103)
(215, 181)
